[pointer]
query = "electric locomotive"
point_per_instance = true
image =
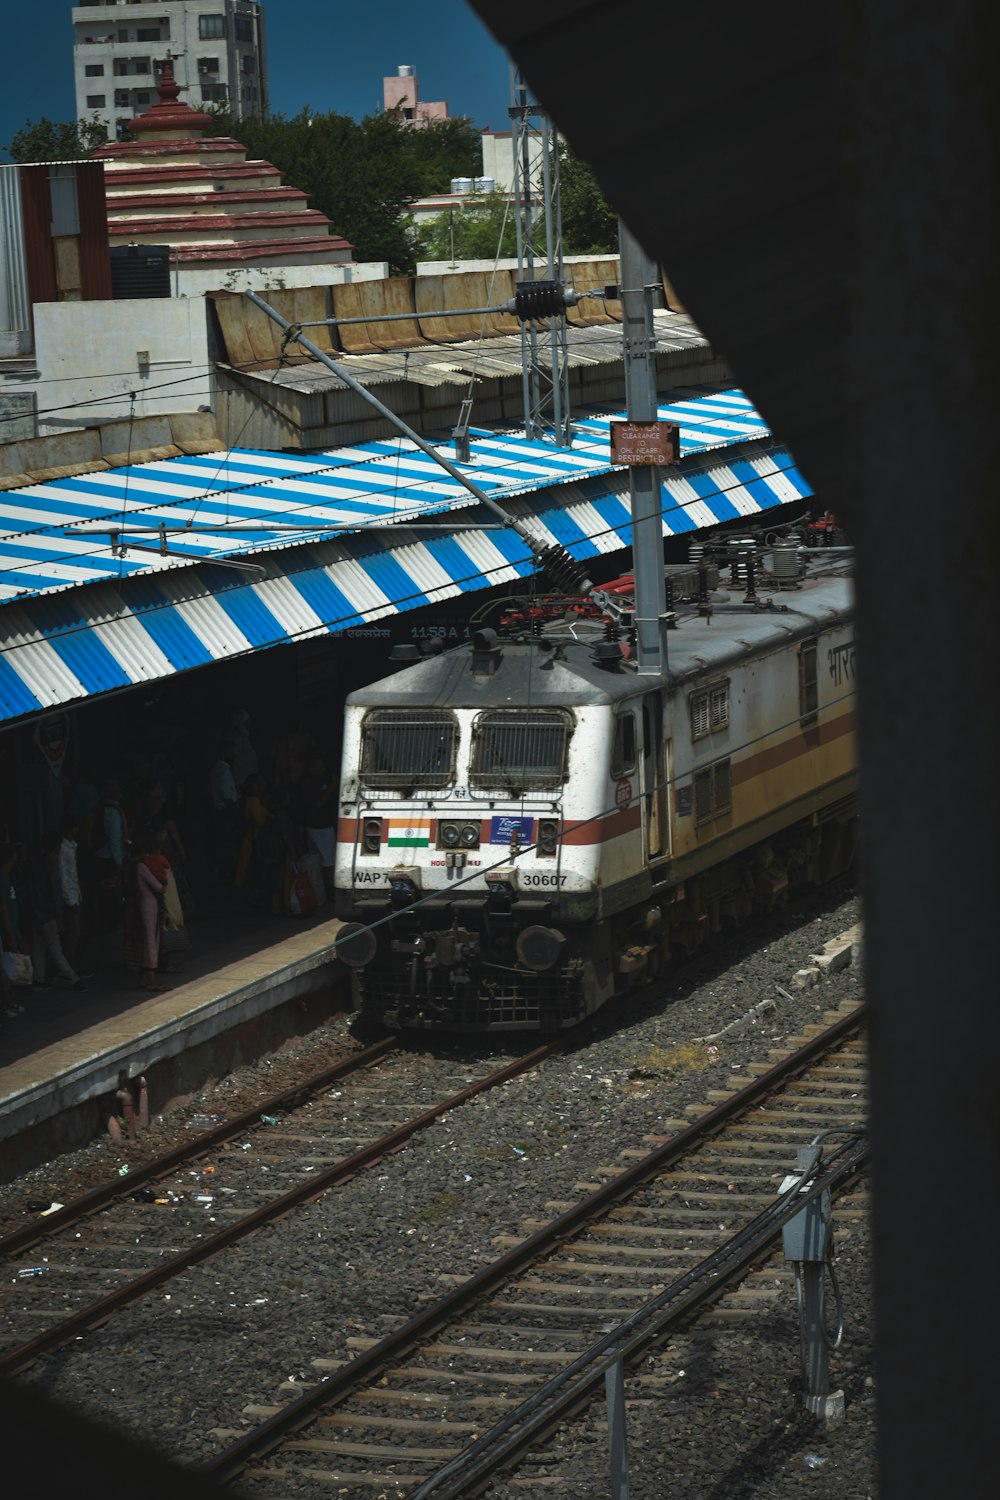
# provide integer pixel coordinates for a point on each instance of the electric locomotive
(529, 826)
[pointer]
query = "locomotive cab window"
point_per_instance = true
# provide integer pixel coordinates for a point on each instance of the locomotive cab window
(623, 752)
(808, 684)
(402, 748)
(709, 710)
(520, 749)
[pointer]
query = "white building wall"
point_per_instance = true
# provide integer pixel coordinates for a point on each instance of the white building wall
(443, 267)
(138, 36)
(195, 281)
(498, 159)
(87, 352)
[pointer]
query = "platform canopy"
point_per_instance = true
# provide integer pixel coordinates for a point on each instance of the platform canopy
(386, 531)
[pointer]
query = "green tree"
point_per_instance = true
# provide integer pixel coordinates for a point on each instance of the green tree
(445, 149)
(362, 174)
(480, 229)
(52, 140)
(589, 223)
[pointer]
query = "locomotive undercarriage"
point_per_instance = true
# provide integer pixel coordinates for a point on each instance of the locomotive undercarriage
(455, 965)
(495, 965)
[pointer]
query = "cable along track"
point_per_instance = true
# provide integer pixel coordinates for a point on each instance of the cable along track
(415, 1400)
(74, 1271)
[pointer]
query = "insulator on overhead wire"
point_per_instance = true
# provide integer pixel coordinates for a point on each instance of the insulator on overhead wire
(566, 575)
(538, 299)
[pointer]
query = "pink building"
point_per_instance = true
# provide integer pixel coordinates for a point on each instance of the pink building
(402, 92)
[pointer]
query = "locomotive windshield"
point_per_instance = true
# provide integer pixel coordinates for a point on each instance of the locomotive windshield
(402, 748)
(520, 749)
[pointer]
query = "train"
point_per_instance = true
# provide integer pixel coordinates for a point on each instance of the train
(530, 826)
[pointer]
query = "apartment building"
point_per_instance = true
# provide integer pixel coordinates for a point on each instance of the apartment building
(119, 47)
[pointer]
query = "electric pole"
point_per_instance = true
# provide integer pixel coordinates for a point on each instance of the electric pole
(639, 279)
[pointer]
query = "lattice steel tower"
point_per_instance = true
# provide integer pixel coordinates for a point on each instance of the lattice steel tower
(538, 223)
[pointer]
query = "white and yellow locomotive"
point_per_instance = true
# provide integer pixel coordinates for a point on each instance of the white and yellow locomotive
(529, 826)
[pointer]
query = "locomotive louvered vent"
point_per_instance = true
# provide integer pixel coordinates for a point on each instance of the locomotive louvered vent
(710, 711)
(520, 749)
(713, 791)
(722, 786)
(403, 748)
(718, 700)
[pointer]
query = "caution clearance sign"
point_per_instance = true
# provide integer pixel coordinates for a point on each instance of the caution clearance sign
(650, 443)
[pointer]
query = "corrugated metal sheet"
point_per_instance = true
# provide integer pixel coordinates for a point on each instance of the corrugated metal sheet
(366, 299)
(95, 257)
(62, 647)
(199, 499)
(15, 308)
(597, 344)
(36, 205)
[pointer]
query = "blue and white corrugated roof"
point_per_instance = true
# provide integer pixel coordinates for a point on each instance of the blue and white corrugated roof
(202, 500)
(60, 647)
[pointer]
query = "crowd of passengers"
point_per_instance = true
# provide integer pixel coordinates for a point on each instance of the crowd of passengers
(173, 835)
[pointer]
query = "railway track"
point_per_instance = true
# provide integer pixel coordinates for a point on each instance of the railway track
(72, 1271)
(438, 1404)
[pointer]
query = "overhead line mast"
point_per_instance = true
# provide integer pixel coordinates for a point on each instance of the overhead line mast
(539, 238)
(639, 281)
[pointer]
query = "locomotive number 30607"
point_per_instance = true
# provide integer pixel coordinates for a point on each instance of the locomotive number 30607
(543, 879)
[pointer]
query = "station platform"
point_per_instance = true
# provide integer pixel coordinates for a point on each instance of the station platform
(65, 1054)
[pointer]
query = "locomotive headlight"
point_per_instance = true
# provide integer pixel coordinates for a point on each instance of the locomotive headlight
(470, 835)
(371, 838)
(548, 836)
(448, 835)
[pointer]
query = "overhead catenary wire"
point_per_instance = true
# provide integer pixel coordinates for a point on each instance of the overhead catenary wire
(497, 347)
(764, 445)
(341, 621)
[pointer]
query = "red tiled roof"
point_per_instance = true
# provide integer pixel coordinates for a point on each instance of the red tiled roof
(260, 250)
(194, 172)
(130, 228)
(189, 145)
(239, 195)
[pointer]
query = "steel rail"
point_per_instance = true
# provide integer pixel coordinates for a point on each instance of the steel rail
(573, 1388)
(341, 1383)
(16, 1360)
(120, 1187)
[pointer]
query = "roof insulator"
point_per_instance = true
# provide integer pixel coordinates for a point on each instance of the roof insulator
(566, 575)
(538, 299)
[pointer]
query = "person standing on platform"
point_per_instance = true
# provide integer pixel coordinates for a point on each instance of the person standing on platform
(316, 814)
(226, 811)
(9, 916)
(70, 893)
(48, 960)
(244, 760)
(145, 888)
(111, 856)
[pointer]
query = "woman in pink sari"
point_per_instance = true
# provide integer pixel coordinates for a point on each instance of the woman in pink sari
(145, 886)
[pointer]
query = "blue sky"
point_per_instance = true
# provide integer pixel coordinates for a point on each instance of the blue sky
(347, 50)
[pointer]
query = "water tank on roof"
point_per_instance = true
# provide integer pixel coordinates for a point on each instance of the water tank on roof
(484, 184)
(405, 70)
(461, 184)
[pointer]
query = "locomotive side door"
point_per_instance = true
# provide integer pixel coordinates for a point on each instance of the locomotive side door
(653, 771)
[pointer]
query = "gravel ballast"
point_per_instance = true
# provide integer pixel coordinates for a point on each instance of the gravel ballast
(178, 1370)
